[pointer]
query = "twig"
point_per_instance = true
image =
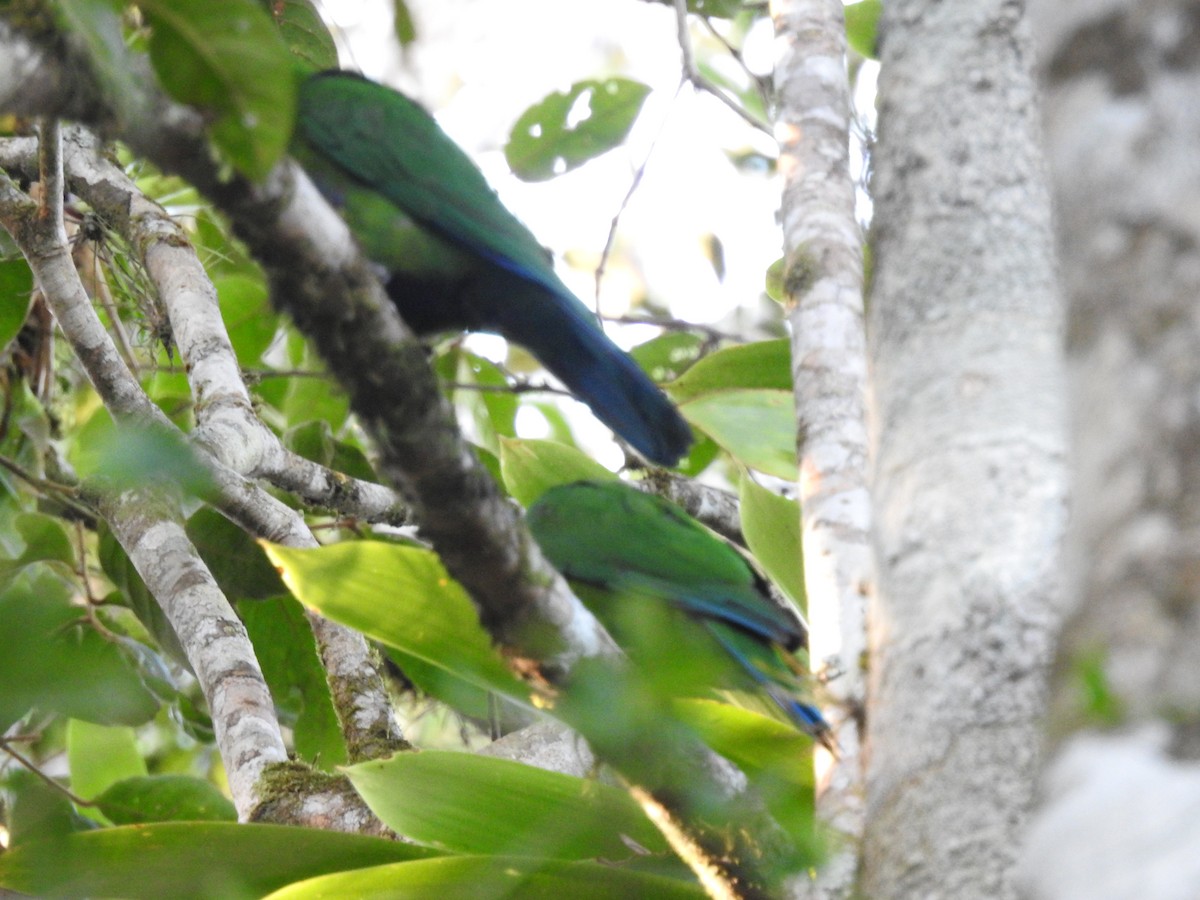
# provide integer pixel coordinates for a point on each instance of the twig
(7, 747)
(698, 81)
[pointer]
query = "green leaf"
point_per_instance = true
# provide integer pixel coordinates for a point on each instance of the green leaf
(862, 27)
(229, 58)
(287, 651)
(758, 428)
(564, 131)
(100, 756)
(205, 861)
(248, 317)
(771, 525)
(445, 687)
(16, 296)
(473, 877)
(304, 32)
(235, 559)
(531, 467)
(131, 456)
(401, 596)
(753, 741)
(45, 540)
(56, 662)
(764, 365)
(406, 29)
(478, 804)
(669, 355)
(164, 798)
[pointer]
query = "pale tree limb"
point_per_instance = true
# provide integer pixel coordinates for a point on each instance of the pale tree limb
(226, 419)
(823, 283)
(968, 445)
(1118, 815)
(146, 524)
(228, 430)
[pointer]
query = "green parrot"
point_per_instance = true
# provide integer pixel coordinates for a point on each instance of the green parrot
(456, 258)
(632, 554)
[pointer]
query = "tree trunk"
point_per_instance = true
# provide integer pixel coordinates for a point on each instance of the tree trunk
(967, 434)
(1122, 126)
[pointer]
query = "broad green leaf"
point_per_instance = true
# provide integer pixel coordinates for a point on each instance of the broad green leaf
(192, 861)
(771, 525)
(479, 804)
(459, 694)
(669, 355)
(401, 596)
(476, 877)
(532, 467)
(235, 559)
(99, 757)
(304, 32)
(45, 540)
(564, 131)
(164, 798)
(862, 26)
(248, 317)
(751, 740)
(16, 296)
(55, 661)
(758, 428)
(229, 58)
(765, 365)
(287, 651)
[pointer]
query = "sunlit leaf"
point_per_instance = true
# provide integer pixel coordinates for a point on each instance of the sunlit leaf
(758, 428)
(479, 804)
(771, 525)
(401, 596)
(862, 26)
(531, 467)
(192, 861)
(473, 877)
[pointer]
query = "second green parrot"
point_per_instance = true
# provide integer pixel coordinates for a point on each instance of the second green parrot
(635, 553)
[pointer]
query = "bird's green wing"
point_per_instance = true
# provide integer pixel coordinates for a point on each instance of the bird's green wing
(387, 143)
(612, 535)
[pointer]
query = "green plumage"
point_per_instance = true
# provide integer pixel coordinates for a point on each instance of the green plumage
(635, 552)
(456, 258)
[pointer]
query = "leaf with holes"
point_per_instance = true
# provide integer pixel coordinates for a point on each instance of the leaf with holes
(566, 130)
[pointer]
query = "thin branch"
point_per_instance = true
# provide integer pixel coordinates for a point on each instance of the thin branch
(6, 744)
(698, 81)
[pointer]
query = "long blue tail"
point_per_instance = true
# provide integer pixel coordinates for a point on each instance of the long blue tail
(565, 337)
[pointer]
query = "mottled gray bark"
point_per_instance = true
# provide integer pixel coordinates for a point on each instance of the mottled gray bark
(829, 372)
(1123, 123)
(968, 468)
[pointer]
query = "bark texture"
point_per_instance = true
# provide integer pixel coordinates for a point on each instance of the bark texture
(968, 468)
(1123, 123)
